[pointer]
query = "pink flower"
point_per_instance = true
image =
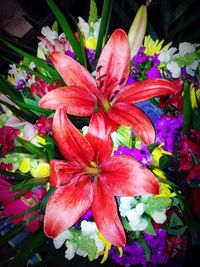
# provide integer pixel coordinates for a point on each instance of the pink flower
(41, 88)
(13, 207)
(44, 125)
(7, 136)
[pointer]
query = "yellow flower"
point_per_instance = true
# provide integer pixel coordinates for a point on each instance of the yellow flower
(91, 43)
(41, 140)
(193, 97)
(42, 170)
(165, 189)
(157, 153)
(107, 245)
(25, 165)
(153, 47)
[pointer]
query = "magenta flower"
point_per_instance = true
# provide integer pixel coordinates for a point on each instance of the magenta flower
(13, 207)
(7, 136)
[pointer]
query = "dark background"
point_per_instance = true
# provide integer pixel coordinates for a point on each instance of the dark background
(23, 20)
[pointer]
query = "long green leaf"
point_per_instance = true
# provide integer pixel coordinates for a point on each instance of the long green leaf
(46, 198)
(34, 107)
(104, 20)
(80, 36)
(39, 62)
(19, 113)
(29, 247)
(8, 89)
(31, 148)
(66, 28)
(13, 232)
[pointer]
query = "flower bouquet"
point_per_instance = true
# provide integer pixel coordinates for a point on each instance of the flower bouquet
(99, 133)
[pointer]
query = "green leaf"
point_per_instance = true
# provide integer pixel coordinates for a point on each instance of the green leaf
(29, 247)
(177, 232)
(175, 221)
(19, 113)
(31, 148)
(38, 62)
(142, 242)
(8, 89)
(93, 14)
(22, 191)
(149, 229)
(81, 43)
(66, 28)
(188, 58)
(87, 244)
(187, 109)
(33, 105)
(46, 198)
(13, 232)
(196, 120)
(102, 30)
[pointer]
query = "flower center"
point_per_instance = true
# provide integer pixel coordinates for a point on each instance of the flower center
(93, 169)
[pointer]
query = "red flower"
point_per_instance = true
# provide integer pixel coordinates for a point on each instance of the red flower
(44, 125)
(107, 94)
(176, 99)
(41, 88)
(91, 179)
(7, 136)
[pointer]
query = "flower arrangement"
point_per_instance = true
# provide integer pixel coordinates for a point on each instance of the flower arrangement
(96, 133)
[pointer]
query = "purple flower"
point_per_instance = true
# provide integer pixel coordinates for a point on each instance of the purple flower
(70, 53)
(143, 155)
(20, 84)
(153, 73)
(169, 130)
(91, 55)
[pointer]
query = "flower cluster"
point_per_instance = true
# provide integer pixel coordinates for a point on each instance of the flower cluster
(102, 190)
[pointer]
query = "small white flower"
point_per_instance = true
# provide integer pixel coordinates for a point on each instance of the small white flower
(140, 208)
(141, 226)
(71, 250)
(126, 203)
(81, 253)
(192, 68)
(84, 27)
(49, 34)
(59, 240)
(85, 130)
(174, 68)
(88, 228)
(133, 216)
(32, 65)
(185, 47)
(159, 216)
(166, 55)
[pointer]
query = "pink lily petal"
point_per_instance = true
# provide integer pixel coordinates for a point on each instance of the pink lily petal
(104, 211)
(72, 144)
(114, 63)
(15, 122)
(99, 137)
(63, 172)
(128, 177)
(73, 73)
(49, 46)
(141, 91)
(29, 131)
(129, 115)
(77, 100)
(66, 205)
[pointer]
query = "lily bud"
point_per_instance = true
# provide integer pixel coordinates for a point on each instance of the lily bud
(137, 30)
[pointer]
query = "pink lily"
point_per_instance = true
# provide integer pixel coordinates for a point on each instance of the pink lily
(91, 178)
(108, 93)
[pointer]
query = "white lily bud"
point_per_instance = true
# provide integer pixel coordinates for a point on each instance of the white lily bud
(137, 30)
(140, 208)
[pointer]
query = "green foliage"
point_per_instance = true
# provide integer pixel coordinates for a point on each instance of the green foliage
(158, 204)
(93, 14)
(188, 58)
